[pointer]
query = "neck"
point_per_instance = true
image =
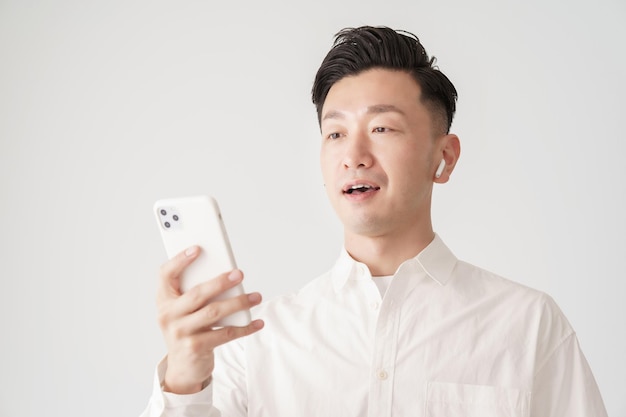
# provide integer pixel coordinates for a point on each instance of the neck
(384, 253)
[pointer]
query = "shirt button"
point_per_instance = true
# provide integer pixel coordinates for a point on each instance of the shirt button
(382, 375)
(375, 305)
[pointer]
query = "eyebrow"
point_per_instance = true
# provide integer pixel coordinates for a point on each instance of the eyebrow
(375, 109)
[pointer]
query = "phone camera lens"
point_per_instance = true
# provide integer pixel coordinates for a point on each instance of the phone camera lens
(175, 217)
(163, 212)
(167, 224)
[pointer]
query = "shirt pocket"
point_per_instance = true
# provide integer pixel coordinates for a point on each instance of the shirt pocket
(462, 400)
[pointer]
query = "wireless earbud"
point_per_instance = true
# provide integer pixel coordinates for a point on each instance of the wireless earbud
(440, 168)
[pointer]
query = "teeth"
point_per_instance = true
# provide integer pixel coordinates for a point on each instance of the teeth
(354, 187)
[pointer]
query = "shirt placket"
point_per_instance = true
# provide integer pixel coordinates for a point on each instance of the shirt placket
(383, 361)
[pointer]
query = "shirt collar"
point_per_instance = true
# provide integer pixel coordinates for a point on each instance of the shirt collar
(436, 260)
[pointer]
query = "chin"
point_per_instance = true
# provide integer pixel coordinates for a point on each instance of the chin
(363, 227)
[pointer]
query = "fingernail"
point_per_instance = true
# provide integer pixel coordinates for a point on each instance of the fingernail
(258, 324)
(191, 251)
(235, 275)
(255, 297)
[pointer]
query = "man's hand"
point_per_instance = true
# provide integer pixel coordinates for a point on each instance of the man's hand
(186, 321)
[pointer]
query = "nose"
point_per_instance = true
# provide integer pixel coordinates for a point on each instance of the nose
(358, 152)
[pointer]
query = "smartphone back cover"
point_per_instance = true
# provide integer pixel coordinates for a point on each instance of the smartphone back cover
(196, 220)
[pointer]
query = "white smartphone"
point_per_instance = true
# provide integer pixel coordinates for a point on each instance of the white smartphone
(197, 220)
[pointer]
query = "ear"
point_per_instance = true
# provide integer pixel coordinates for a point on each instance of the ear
(449, 150)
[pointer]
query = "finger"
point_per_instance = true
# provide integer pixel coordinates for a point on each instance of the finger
(171, 270)
(204, 342)
(173, 309)
(198, 296)
(206, 317)
(226, 334)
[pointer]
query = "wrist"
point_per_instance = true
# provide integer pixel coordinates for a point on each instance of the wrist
(180, 388)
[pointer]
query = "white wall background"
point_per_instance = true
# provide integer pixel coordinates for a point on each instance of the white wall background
(107, 106)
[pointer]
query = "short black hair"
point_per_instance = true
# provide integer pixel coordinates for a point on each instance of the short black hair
(356, 50)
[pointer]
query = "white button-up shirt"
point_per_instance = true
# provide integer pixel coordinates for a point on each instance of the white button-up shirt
(447, 339)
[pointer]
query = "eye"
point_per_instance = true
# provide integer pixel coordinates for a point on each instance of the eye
(380, 129)
(334, 135)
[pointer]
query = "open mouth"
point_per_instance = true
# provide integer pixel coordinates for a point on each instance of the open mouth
(360, 189)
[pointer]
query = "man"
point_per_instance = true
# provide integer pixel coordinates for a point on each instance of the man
(398, 326)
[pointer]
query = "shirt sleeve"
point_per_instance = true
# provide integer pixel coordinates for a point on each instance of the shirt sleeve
(564, 386)
(230, 379)
(167, 404)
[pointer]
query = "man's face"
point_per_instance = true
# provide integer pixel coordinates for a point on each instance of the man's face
(378, 153)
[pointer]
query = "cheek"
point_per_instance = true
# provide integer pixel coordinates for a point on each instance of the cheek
(324, 168)
(408, 169)
(327, 164)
